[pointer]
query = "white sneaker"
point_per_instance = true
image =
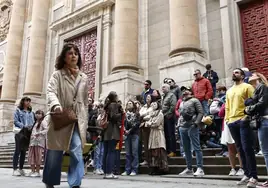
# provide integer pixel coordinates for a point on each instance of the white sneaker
(110, 176)
(259, 153)
(144, 163)
(35, 175)
(199, 172)
(22, 172)
(252, 183)
(30, 174)
(133, 174)
(243, 181)
(16, 173)
(240, 172)
(187, 172)
(232, 172)
(124, 174)
(99, 172)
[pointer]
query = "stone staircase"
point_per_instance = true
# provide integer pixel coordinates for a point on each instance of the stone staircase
(213, 165)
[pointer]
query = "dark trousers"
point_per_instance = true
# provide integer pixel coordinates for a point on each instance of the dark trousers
(243, 137)
(145, 133)
(19, 153)
(109, 156)
(169, 128)
(117, 162)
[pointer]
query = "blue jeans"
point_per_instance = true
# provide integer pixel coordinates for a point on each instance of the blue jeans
(109, 156)
(132, 153)
(169, 128)
(52, 168)
(262, 133)
(205, 107)
(19, 153)
(243, 137)
(98, 156)
(190, 138)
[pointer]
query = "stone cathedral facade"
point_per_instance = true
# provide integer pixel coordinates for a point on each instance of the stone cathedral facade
(124, 42)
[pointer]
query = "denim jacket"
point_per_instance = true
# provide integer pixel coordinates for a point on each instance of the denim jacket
(23, 118)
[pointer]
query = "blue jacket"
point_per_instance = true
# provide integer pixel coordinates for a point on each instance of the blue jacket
(23, 118)
(145, 93)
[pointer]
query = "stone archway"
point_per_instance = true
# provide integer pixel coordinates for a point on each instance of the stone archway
(254, 22)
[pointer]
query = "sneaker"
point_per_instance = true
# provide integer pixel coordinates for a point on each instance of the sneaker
(243, 181)
(186, 172)
(110, 176)
(35, 175)
(199, 172)
(252, 183)
(232, 172)
(99, 172)
(265, 184)
(133, 174)
(22, 173)
(172, 154)
(225, 154)
(144, 163)
(30, 174)
(240, 172)
(124, 174)
(259, 153)
(16, 173)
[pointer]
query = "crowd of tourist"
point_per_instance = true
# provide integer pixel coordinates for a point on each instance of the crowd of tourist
(151, 126)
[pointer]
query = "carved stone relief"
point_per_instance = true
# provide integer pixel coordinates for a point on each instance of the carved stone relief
(5, 16)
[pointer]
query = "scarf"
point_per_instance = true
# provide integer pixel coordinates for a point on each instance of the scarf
(73, 71)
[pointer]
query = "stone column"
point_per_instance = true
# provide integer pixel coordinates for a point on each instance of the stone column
(126, 36)
(13, 53)
(184, 27)
(37, 48)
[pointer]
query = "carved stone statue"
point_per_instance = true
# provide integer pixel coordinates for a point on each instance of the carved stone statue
(5, 16)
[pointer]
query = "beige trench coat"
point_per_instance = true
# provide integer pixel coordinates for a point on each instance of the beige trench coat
(60, 91)
(157, 136)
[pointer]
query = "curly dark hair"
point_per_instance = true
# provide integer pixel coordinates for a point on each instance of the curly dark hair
(60, 62)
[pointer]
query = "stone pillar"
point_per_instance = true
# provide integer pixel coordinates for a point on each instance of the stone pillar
(185, 53)
(125, 78)
(13, 53)
(126, 36)
(184, 27)
(37, 48)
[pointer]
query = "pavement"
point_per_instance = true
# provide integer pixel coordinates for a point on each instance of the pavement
(94, 181)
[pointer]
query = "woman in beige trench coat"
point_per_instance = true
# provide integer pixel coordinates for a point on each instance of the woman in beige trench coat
(62, 86)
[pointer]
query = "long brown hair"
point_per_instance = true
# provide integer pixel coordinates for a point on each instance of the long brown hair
(60, 62)
(40, 121)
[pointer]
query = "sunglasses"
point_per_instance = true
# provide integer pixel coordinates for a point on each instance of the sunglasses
(196, 74)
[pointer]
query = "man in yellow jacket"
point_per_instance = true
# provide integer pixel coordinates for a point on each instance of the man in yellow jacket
(239, 126)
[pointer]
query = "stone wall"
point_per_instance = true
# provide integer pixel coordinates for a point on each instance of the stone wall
(158, 38)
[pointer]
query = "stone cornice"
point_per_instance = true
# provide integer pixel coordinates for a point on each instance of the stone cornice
(80, 13)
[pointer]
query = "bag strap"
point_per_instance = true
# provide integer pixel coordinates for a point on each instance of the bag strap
(76, 91)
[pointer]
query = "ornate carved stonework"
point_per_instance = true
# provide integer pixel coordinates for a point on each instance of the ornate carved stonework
(254, 21)
(5, 16)
(87, 45)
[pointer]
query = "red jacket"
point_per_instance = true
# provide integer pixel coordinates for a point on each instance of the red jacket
(222, 114)
(177, 108)
(122, 131)
(202, 89)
